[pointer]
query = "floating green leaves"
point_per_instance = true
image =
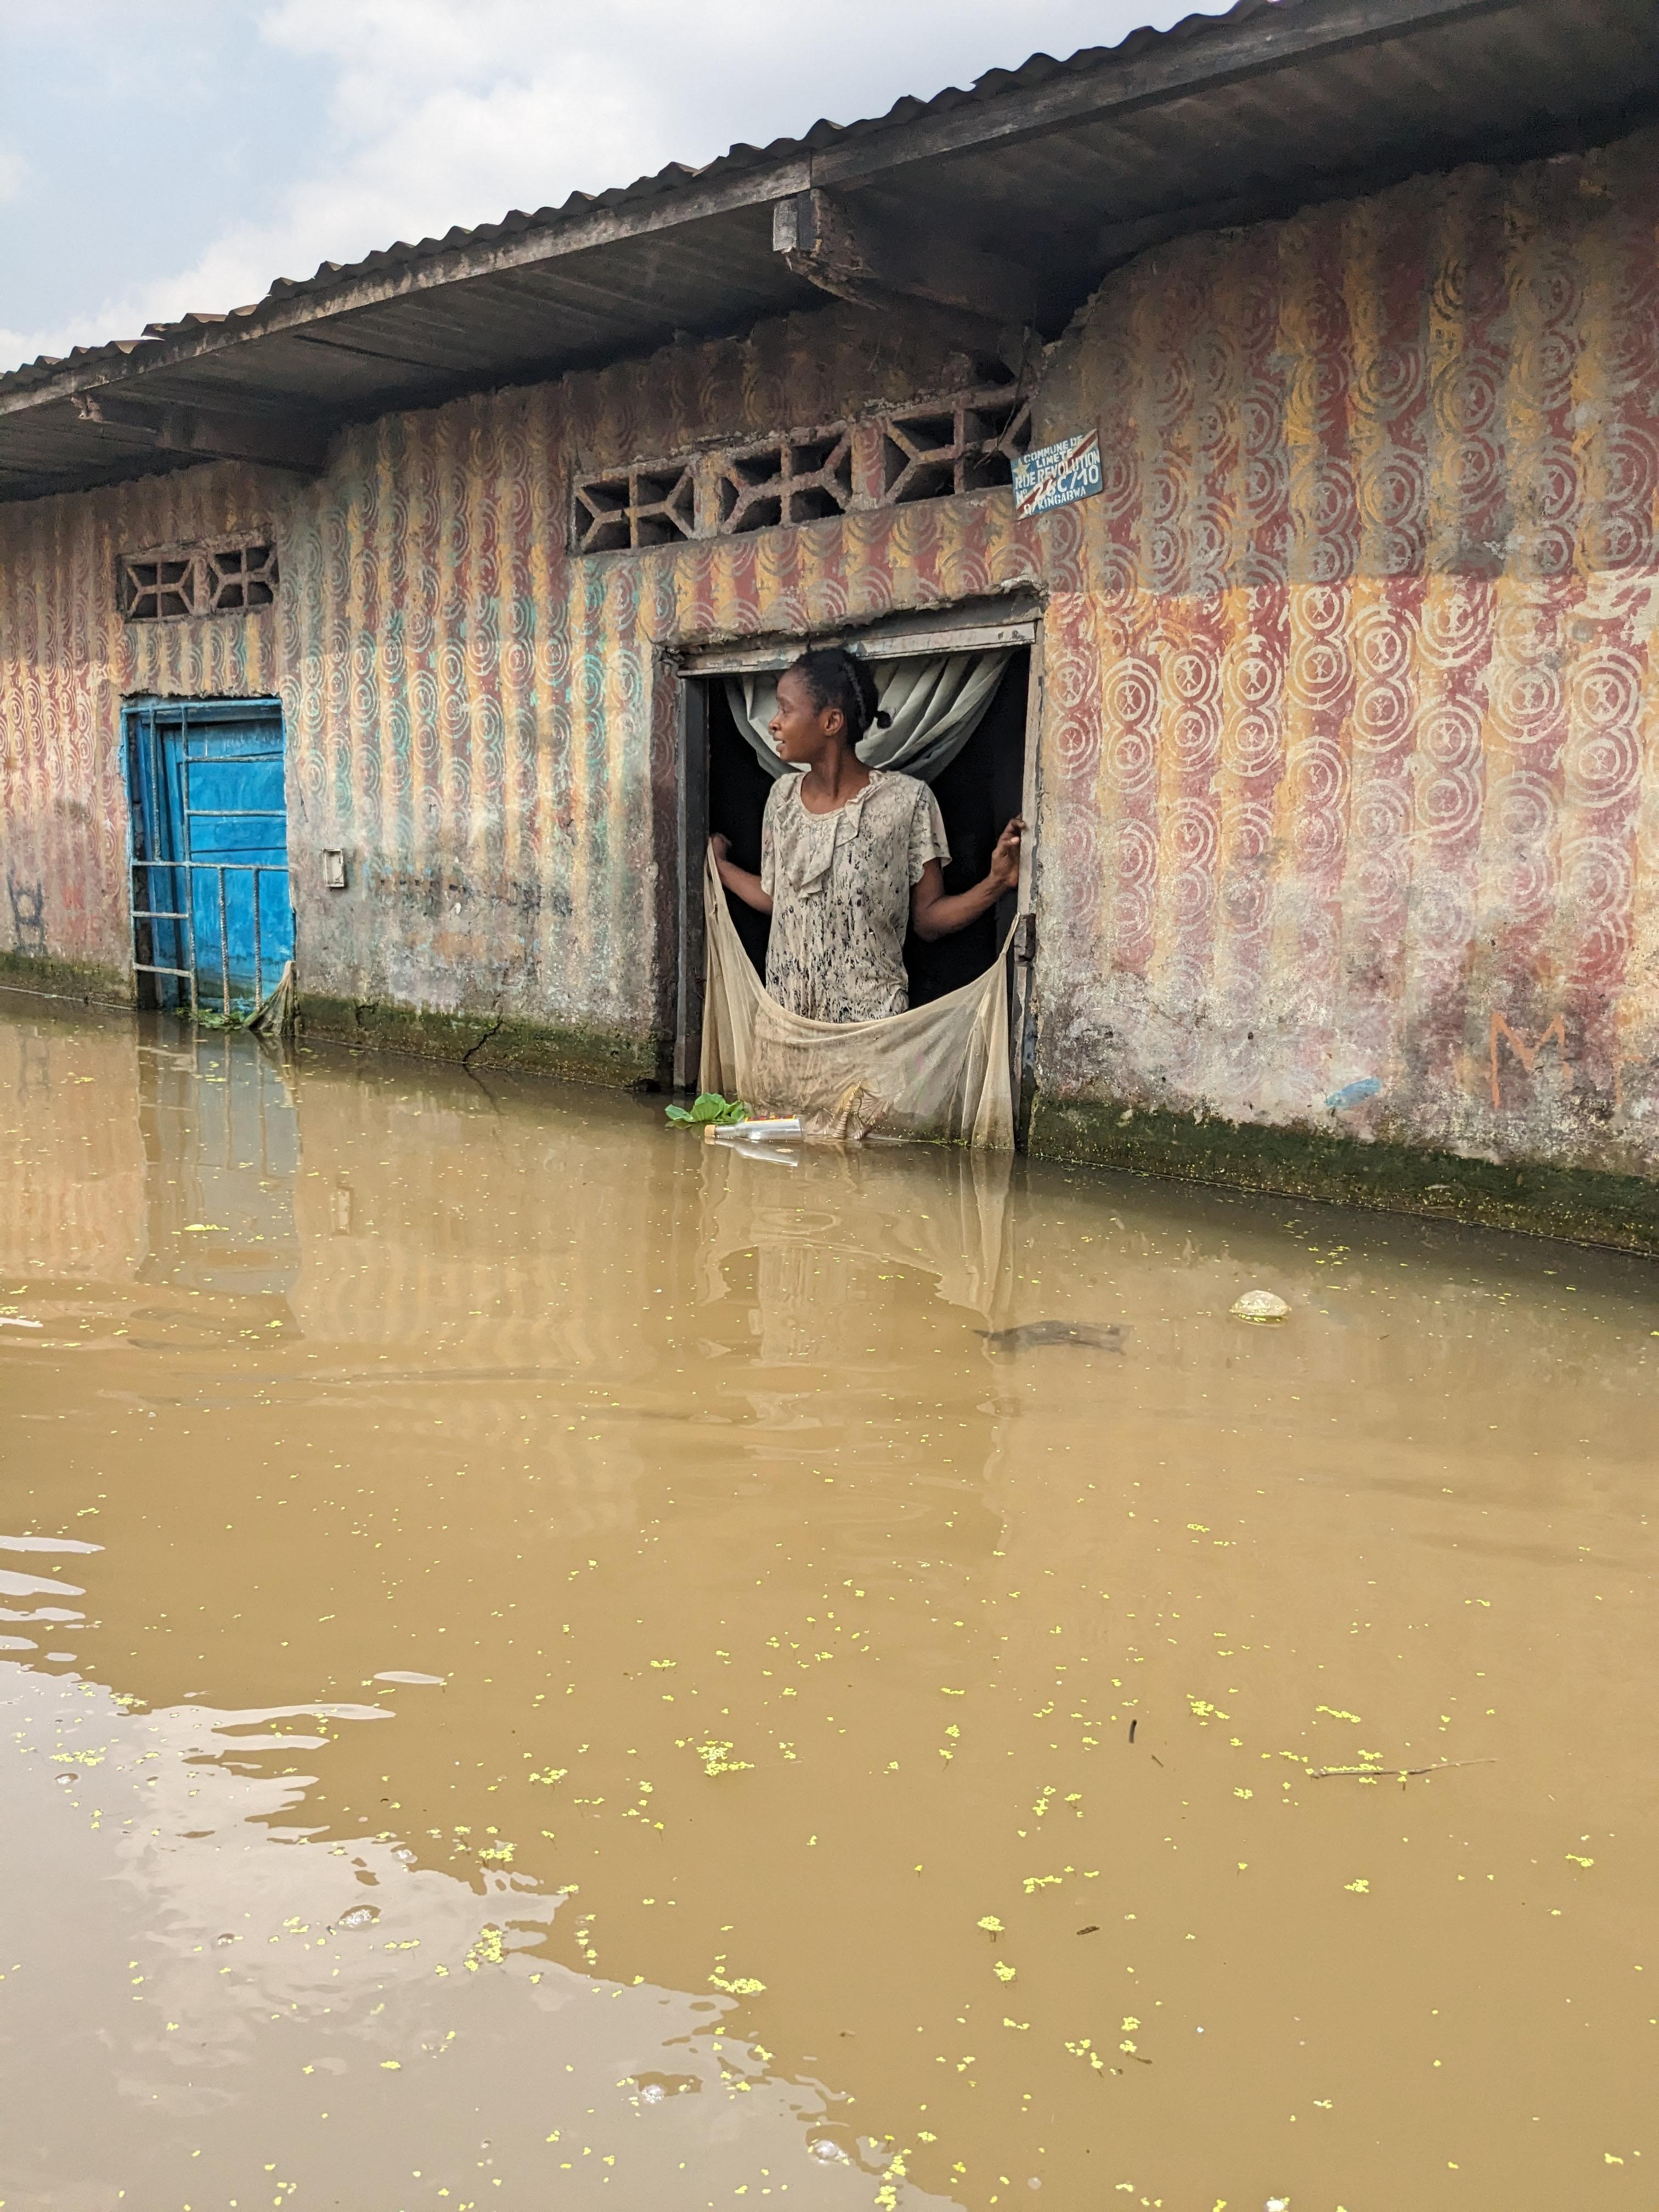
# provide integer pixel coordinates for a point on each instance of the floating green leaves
(709, 1106)
(489, 1950)
(717, 1758)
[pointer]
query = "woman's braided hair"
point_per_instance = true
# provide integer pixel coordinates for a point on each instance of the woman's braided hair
(835, 677)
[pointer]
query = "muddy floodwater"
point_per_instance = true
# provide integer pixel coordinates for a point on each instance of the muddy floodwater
(546, 1663)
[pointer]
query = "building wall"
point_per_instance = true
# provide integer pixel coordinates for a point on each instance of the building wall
(67, 660)
(483, 725)
(487, 726)
(1352, 780)
(1346, 787)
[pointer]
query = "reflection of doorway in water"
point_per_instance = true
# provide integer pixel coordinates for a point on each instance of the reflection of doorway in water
(987, 783)
(819, 1288)
(221, 1154)
(931, 1214)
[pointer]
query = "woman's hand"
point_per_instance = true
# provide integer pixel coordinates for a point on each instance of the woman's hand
(1004, 872)
(743, 886)
(932, 914)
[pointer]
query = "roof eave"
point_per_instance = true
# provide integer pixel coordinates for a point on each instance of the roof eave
(1225, 51)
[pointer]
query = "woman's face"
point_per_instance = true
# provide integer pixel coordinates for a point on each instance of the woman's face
(801, 729)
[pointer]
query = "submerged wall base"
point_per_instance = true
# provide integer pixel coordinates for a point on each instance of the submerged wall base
(1582, 1206)
(47, 978)
(479, 1040)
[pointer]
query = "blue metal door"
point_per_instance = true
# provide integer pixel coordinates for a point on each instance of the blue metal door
(212, 922)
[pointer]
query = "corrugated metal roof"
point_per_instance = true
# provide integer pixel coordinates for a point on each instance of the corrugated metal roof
(675, 176)
(1070, 163)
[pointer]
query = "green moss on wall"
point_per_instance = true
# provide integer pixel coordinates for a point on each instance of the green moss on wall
(65, 979)
(1585, 1207)
(591, 1055)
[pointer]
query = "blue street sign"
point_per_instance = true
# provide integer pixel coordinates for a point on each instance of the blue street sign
(1054, 476)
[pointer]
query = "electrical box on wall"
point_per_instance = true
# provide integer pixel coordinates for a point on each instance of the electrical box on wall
(334, 872)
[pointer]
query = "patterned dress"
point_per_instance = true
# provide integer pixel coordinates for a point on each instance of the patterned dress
(841, 887)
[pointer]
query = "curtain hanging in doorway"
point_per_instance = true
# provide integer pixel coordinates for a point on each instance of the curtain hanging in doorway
(937, 701)
(938, 1071)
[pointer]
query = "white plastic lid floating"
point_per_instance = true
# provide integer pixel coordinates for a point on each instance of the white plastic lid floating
(1261, 1305)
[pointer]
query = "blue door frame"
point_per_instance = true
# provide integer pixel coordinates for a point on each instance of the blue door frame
(212, 922)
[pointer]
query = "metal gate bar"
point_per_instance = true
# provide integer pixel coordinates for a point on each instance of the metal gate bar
(220, 869)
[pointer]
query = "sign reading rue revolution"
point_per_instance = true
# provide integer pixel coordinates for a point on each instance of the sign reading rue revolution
(1054, 476)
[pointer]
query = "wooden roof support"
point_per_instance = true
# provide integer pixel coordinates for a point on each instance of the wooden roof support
(843, 252)
(209, 435)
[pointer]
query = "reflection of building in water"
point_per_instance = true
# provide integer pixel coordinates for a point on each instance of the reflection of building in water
(72, 1183)
(443, 1216)
(806, 1301)
(512, 1277)
(148, 1156)
(822, 1241)
(222, 1153)
(845, 1303)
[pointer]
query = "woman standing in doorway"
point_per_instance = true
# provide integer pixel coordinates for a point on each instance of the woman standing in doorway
(849, 855)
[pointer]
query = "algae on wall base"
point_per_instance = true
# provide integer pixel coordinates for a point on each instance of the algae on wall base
(48, 978)
(1583, 1206)
(589, 1055)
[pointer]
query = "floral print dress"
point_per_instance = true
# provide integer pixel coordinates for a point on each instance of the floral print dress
(841, 887)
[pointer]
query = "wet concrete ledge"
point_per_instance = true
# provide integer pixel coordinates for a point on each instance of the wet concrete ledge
(1581, 1206)
(43, 977)
(624, 1060)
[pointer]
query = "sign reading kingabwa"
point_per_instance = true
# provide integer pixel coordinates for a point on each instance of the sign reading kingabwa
(1054, 476)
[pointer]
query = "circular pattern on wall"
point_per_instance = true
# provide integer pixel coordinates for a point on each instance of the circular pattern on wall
(1379, 883)
(1597, 884)
(1194, 835)
(1448, 732)
(1528, 699)
(1448, 803)
(1320, 673)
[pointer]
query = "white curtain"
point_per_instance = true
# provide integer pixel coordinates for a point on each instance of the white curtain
(937, 701)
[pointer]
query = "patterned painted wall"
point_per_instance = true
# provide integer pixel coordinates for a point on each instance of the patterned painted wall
(479, 723)
(487, 726)
(1351, 773)
(67, 660)
(1346, 785)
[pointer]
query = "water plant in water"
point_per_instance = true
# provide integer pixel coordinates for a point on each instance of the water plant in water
(707, 1107)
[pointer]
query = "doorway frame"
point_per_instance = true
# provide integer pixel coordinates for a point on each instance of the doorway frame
(142, 772)
(940, 630)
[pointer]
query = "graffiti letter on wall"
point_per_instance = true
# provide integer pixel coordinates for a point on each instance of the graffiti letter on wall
(28, 915)
(1525, 1054)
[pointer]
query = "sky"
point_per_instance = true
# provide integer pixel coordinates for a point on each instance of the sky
(174, 157)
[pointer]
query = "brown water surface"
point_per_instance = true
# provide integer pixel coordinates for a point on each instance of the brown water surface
(547, 1663)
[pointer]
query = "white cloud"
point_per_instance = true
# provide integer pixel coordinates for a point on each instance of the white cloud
(453, 111)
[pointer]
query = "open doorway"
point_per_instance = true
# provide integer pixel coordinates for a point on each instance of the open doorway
(725, 787)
